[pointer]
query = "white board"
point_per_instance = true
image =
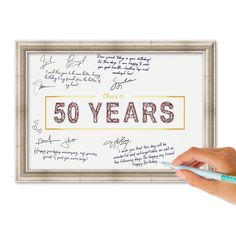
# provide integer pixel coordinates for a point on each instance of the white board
(164, 92)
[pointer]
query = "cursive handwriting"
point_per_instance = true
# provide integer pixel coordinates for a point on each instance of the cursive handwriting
(71, 78)
(72, 62)
(67, 141)
(35, 126)
(144, 155)
(63, 155)
(123, 141)
(45, 61)
(38, 85)
(49, 140)
(123, 65)
(118, 84)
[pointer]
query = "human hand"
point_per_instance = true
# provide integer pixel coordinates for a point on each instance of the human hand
(222, 160)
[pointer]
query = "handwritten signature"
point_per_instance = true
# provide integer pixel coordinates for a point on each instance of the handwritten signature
(48, 140)
(72, 62)
(67, 141)
(119, 84)
(123, 141)
(38, 85)
(35, 126)
(46, 60)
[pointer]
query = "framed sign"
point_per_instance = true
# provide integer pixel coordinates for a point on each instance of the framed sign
(111, 111)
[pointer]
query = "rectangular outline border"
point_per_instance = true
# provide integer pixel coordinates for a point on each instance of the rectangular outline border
(85, 128)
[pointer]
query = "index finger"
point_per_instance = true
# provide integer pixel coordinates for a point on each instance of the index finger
(198, 154)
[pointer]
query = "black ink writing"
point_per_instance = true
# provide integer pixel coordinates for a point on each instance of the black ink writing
(123, 65)
(47, 140)
(143, 155)
(46, 60)
(119, 142)
(35, 126)
(38, 85)
(72, 61)
(64, 156)
(118, 83)
(67, 141)
(71, 78)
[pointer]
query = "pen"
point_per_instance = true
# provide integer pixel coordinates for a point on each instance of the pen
(204, 173)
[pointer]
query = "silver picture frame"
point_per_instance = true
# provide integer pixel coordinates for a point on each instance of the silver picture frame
(23, 174)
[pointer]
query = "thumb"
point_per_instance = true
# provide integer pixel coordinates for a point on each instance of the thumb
(208, 185)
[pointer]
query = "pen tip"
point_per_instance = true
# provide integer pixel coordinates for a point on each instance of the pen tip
(163, 162)
(167, 164)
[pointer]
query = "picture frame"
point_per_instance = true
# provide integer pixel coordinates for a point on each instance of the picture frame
(70, 95)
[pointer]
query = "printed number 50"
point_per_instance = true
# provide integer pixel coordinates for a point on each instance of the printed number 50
(73, 118)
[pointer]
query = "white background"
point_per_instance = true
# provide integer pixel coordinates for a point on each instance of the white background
(169, 75)
(114, 209)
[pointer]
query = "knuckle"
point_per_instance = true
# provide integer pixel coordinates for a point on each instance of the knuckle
(230, 149)
(193, 149)
(227, 150)
(222, 162)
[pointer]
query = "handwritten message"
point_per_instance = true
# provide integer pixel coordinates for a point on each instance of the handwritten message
(71, 78)
(96, 111)
(123, 65)
(142, 155)
(60, 155)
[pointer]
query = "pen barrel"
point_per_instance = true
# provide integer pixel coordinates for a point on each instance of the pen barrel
(204, 173)
(228, 178)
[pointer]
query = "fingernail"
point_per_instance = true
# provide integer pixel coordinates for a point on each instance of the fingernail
(180, 174)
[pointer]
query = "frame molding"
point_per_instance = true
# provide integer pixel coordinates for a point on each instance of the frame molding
(23, 175)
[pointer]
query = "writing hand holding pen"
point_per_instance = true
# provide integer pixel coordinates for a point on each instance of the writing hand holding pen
(222, 160)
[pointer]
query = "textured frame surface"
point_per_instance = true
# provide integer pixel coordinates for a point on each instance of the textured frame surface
(25, 175)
